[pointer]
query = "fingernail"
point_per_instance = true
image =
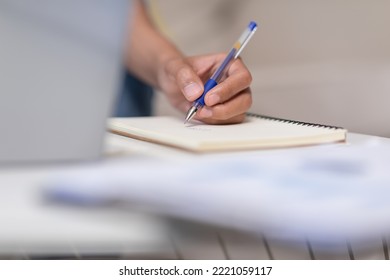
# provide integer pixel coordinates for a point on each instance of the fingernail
(213, 99)
(205, 113)
(191, 91)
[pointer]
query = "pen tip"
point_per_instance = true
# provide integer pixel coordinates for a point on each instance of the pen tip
(190, 114)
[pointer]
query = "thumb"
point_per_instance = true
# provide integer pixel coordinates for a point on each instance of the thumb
(187, 80)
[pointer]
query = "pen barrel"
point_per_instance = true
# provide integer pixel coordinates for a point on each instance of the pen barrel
(224, 65)
(208, 86)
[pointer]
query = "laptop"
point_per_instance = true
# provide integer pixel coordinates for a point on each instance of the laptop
(60, 68)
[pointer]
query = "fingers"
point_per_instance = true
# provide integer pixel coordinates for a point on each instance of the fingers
(229, 100)
(225, 103)
(238, 79)
(228, 110)
(186, 79)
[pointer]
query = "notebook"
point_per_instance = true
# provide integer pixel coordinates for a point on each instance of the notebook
(256, 132)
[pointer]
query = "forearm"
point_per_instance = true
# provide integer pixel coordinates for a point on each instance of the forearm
(146, 49)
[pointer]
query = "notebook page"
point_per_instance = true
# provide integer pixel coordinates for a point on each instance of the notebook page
(253, 133)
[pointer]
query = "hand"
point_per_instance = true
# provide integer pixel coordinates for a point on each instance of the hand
(182, 80)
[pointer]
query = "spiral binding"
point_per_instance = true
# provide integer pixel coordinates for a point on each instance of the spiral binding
(293, 121)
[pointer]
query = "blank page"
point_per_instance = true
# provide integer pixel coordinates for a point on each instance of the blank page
(255, 132)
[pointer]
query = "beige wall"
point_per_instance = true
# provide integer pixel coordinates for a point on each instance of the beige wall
(313, 60)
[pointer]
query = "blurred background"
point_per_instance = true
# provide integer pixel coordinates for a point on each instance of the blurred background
(325, 61)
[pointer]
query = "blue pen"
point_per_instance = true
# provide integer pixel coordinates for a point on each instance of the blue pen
(213, 81)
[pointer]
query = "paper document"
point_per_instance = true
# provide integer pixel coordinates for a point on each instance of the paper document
(325, 194)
